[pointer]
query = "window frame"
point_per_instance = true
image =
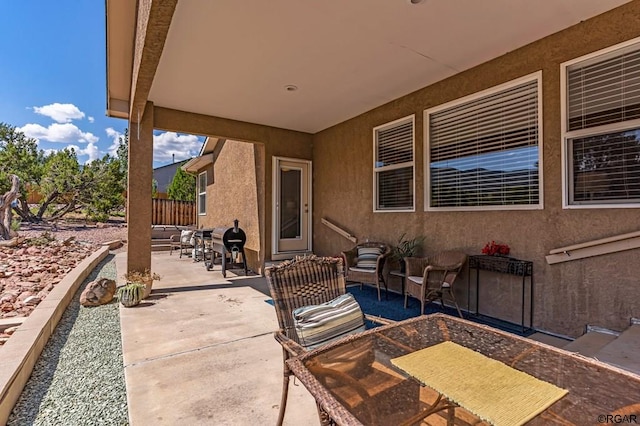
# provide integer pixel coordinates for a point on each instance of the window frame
(202, 206)
(376, 170)
(536, 76)
(566, 135)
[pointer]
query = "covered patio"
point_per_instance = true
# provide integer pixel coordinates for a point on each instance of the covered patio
(317, 91)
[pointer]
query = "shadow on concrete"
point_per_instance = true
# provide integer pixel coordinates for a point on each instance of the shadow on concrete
(257, 283)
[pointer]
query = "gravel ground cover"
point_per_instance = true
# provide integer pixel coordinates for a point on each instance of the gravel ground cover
(79, 377)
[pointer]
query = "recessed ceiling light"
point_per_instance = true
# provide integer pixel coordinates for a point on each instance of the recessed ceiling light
(290, 88)
(415, 1)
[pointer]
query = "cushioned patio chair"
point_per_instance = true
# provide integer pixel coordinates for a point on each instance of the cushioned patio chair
(439, 272)
(305, 291)
(364, 264)
(184, 242)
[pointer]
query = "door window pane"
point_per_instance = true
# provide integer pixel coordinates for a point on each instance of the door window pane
(290, 196)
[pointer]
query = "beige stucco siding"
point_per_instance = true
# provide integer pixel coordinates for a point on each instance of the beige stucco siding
(239, 187)
(602, 290)
(232, 193)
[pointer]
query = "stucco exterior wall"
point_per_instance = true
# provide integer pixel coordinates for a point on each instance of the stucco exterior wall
(599, 290)
(239, 187)
(232, 193)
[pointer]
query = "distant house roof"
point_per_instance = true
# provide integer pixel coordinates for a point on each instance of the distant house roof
(164, 175)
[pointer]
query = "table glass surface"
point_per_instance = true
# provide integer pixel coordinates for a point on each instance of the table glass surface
(355, 382)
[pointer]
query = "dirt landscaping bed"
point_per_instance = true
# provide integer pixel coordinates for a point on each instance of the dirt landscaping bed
(30, 270)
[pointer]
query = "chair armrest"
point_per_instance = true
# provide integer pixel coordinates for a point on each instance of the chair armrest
(349, 257)
(288, 344)
(381, 260)
(379, 320)
(175, 238)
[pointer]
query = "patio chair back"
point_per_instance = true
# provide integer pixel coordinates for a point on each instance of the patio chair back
(302, 282)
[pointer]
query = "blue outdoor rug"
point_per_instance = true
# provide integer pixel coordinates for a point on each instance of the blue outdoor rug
(392, 307)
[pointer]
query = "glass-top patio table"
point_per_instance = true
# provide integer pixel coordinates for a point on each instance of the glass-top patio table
(355, 381)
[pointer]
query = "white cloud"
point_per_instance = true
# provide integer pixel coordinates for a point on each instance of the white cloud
(114, 135)
(165, 145)
(91, 150)
(91, 119)
(65, 133)
(62, 113)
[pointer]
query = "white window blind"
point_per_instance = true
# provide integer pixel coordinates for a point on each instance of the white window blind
(485, 152)
(393, 166)
(604, 92)
(604, 166)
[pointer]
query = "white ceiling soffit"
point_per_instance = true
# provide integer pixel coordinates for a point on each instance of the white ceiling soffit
(233, 59)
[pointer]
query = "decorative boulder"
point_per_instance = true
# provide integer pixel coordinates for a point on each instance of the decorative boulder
(98, 292)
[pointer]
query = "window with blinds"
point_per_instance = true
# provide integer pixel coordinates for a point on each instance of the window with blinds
(202, 193)
(602, 111)
(393, 166)
(484, 151)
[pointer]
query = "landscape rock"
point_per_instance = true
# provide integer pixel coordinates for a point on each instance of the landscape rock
(30, 272)
(25, 295)
(8, 297)
(30, 269)
(11, 330)
(98, 292)
(32, 300)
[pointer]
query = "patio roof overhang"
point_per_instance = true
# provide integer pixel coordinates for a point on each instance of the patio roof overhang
(238, 60)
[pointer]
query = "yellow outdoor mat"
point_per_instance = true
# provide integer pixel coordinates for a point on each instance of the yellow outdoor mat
(491, 390)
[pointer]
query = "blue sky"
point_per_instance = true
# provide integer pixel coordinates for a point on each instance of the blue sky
(53, 80)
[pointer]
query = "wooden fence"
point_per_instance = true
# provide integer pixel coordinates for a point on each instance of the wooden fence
(172, 212)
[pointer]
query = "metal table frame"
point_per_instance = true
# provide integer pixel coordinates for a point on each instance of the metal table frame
(504, 265)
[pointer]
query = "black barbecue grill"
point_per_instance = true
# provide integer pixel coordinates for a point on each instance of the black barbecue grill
(228, 242)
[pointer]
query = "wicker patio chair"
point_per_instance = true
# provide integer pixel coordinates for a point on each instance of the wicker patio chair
(439, 272)
(305, 281)
(365, 271)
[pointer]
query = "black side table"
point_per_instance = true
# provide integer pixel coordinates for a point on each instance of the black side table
(505, 265)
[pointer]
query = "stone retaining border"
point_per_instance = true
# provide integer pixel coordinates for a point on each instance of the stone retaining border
(20, 353)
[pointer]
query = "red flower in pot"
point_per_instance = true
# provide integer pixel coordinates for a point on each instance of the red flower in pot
(492, 249)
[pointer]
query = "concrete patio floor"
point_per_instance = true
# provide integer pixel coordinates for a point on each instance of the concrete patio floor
(200, 350)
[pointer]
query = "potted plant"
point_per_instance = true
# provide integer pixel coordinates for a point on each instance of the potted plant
(145, 278)
(406, 248)
(494, 249)
(131, 294)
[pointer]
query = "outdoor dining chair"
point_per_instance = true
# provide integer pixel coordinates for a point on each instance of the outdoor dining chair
(429, 278)
(315, 287)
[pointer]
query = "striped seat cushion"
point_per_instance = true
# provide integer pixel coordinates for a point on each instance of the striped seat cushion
(317, 325)
(368, 257)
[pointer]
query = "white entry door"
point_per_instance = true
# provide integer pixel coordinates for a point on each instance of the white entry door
(291, 207)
